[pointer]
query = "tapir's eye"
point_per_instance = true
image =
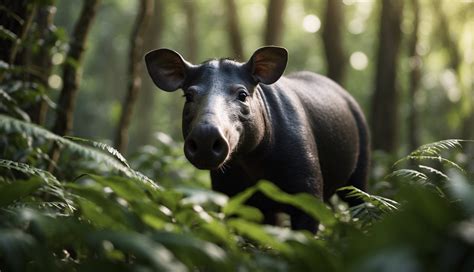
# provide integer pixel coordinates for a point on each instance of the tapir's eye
(243, 96)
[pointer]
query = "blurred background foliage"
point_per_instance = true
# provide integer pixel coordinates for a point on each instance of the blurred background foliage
(443, 100)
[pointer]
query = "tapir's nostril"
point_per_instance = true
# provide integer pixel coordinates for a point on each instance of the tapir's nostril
(217, 147)
(192, 146)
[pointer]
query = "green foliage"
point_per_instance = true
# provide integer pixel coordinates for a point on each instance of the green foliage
(36, 133)
(111, 222)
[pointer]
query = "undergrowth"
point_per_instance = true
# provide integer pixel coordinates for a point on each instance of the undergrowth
(94, 212)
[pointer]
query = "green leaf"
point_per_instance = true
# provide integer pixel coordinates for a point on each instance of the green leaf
(112, 151)
(15, 191)
(194, 252)
(257, 233)
(6, 34)
(305, 202)
(101, 209)
(201, 196)
(17, 248)
(146, 251)
(237, 202)
(8, 125)
(50, 184)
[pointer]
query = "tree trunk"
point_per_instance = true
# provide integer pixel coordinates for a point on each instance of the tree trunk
(134, 69)
(147, 100)
(446, 38)
(71, 72)
(274, 27)
(71, 76)
(332, 40)
(235, 38)
(415, 73)
(191, 27)
(42, 61)
(384, 115)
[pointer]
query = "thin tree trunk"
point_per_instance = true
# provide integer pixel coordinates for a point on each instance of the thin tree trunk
(415, 73)
(147, 100)
(42, 60)
(384, 115)
(235, 38)
(191, 30)
(332, 40)
(449, 42)
(274, 27)
(30, 14)
(71, 75)
(71, 72)
(134, 69)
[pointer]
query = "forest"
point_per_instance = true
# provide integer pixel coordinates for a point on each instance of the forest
(92, 170)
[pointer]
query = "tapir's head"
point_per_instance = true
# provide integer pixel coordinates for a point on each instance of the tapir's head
(223, 112)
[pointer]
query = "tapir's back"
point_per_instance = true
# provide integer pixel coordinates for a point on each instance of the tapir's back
(332, 115)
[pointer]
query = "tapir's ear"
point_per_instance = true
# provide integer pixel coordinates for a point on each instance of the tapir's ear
(167, 68)
(268, 63)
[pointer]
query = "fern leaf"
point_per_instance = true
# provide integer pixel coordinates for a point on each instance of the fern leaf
(11, 106)
(29, 170)
(436, 147)
(408, 173)
(52, 184)
(432, 151)
(383, 203)
(8, 124)
(435, 171)
(112, 151)
(437, 158)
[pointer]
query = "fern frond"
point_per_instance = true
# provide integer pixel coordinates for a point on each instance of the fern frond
(436, 147)
(433, 150)
(408, 173)
(383, 203)
(52, 184)
(11, 106)
(8, 125)
(438, 159)
(110, 150)
(434, 171)
(30, 170)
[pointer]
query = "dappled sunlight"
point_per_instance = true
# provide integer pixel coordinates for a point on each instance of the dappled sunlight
(359, 60)
(311, 23)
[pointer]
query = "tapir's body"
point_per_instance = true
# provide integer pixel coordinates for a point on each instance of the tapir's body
(246, 122)
(316, 142)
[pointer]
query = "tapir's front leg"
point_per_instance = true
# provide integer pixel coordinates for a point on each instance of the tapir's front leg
(305, 180)
(233, 180)
(302, 221)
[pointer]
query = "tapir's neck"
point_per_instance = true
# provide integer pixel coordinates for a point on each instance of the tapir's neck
(265, 115)
(260, 136)
(252, 160)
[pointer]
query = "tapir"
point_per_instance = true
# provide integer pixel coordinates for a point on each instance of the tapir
(247, 122)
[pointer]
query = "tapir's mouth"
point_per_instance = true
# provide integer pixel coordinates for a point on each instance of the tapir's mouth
(206, 161)
(207, 165)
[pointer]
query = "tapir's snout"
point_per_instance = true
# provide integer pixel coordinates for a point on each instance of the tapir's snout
(206, 147)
